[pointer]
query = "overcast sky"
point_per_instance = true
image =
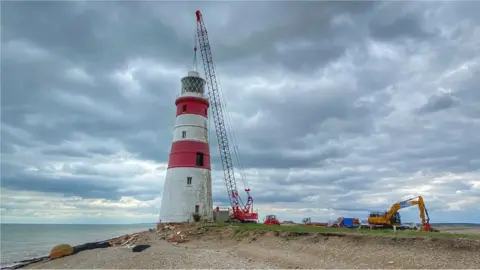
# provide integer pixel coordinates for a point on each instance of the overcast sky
(338, 108)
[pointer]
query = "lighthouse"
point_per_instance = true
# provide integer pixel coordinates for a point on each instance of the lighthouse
(187, 191)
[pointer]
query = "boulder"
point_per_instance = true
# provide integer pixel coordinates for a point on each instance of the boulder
(60, 251)
(140, 248)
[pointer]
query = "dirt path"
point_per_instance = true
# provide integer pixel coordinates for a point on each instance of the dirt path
(222, 248)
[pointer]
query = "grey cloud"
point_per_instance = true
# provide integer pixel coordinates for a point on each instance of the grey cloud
(262, 198)
(87, 185)
(66, 152)
(407, 26)
(309, 24)
(88, 35)
(436, 103)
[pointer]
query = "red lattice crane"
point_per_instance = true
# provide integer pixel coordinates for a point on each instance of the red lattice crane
(242, 212)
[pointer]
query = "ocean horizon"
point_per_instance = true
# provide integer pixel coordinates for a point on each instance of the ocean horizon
(21, 241)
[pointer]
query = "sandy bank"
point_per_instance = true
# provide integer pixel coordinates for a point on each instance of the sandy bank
(459, 229)
(233, 248)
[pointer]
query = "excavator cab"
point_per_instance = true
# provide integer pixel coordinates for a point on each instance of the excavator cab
(395, 219)
(379, 218)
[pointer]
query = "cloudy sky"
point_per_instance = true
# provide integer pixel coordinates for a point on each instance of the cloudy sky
(340, 108)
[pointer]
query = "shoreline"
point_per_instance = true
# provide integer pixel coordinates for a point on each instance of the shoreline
(76, 249)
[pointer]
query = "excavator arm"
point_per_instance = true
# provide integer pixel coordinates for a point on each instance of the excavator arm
(410, 202)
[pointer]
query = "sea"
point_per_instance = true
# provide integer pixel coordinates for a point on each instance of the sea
(26, 241)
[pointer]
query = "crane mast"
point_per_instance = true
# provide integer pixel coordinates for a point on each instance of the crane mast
(241, 212)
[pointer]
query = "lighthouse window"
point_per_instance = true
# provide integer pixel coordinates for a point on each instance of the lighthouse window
(184, 108)
(184, 134)
(189, 180)
(199, 159)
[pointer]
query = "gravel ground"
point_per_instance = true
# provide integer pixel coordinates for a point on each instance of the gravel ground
(163, 255)
(265, 250)
(460, 229)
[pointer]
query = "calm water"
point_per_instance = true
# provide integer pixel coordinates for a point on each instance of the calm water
(25, 241)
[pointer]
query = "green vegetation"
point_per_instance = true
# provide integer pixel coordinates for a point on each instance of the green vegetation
(409, 233)
(241, 229)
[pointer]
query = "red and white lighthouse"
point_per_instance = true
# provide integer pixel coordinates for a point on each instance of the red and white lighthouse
(188, 183)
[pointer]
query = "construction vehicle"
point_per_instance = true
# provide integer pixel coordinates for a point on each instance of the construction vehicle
(241, 212)
(364, 224)
(308, 222)
(408, 226)
(343, 222)
(391, 218)
(271, 220)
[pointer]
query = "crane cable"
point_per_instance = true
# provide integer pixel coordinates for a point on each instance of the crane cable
(232, 134)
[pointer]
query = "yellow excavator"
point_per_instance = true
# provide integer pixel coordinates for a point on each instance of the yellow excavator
(391, 218)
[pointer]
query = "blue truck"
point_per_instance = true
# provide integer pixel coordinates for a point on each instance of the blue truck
(342, 222)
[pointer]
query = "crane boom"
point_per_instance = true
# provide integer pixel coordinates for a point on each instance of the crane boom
(240, 212)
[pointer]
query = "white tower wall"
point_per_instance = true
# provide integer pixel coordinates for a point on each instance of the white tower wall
(179, 203)
(194, 125)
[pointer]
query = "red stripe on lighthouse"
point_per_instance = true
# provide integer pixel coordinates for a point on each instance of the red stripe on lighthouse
(184, 154)
(192, 105)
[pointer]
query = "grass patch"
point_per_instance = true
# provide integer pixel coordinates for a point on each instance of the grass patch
(240, 229)
(289, 228)
(409, 233)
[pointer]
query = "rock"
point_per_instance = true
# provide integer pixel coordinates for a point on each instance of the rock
(391, 262)
(140, 248)
(60, 251)
(88, 246)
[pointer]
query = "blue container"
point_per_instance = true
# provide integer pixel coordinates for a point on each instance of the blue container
(348, 222)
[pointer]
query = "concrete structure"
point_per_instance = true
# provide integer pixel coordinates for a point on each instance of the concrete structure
(188, 183)
(221, 215)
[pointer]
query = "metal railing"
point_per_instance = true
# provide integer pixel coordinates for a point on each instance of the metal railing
(196, 95)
